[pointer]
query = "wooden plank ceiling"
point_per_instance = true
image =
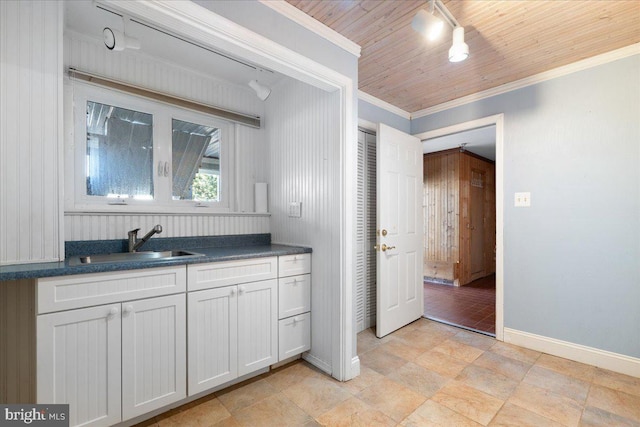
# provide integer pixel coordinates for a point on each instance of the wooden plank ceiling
(508, 41)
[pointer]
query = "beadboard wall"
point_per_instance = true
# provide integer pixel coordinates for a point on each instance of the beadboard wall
(30, 127)
(251, 148)
(303, 129)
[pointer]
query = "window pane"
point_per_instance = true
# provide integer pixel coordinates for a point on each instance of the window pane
(119, 152)
(196, 162)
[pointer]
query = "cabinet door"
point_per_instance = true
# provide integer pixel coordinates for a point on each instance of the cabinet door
(212, 338)
(153, 354)
(78, 354)
(257, 325)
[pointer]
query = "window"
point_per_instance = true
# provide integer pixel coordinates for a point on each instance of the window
(134, 154)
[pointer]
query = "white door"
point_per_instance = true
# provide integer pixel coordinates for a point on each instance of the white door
(212, 338)
(154, 348)
(257, 325)
(78, 354)
(399, 217)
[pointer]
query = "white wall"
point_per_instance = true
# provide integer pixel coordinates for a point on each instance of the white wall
(133, 67)
(303, 132)
(30, 125)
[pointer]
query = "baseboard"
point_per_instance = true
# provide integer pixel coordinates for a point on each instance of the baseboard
(592, 356)
(355, 368)
(318, 363)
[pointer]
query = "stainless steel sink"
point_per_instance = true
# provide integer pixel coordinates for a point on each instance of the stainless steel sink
(132, 256)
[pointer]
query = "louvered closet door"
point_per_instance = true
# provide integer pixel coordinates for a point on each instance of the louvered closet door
(366, 232)
(153, 354)
(213, 338)
(78, 354)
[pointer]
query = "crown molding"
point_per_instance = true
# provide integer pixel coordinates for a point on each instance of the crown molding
(384, 105)
(584, 64)
(299, 17)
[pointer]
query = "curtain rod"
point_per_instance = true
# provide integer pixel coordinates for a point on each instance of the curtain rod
(253, 121)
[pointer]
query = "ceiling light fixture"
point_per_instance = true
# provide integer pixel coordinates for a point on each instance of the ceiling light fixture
(430, 26)
(118, 40)
(427, 24)
(262, 91)
(459, 50)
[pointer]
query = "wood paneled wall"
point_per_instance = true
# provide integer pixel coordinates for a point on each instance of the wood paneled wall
(447, 198)
(30, 128)
(441, 214)
(17, 341)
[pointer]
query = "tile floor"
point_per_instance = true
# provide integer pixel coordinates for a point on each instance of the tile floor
(472, 306)
(426, 374)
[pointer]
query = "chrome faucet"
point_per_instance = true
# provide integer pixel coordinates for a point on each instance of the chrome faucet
(135, 243)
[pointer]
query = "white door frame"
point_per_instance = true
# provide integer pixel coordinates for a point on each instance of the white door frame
(498, 121)
(203, 26)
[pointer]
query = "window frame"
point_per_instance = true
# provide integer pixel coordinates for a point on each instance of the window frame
(162, 114)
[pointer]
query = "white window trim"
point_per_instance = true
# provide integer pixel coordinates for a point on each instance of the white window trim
(76, 199)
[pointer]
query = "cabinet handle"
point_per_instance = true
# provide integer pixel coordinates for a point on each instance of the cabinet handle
(233, 292)
(241, 289)
(128, 309)
(114, 311)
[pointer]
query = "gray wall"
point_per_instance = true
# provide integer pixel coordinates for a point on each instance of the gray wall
(572, 260)
(376, 114)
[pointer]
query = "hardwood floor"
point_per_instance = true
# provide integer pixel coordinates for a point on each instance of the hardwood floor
(472, 306)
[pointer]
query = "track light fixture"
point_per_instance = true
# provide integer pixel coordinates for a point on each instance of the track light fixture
(118, 40)
(459, 50)
(262, 91)
(430, 26)
(427, 24)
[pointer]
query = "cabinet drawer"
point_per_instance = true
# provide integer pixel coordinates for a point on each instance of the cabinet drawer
(294, 336)
(294, 295)
(85, 290)
(292, 265)
(217, 274)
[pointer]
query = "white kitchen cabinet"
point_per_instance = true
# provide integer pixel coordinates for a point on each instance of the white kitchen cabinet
(294, 305)
(232, 331)
(78, 362)
(153, 354)
(257, 325)
(212, 338)
(114, 361)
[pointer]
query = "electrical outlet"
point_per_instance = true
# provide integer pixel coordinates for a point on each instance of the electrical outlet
(522, 200)
(295, 209)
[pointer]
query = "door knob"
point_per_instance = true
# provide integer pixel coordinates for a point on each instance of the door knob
(384, 232)
(385, 248)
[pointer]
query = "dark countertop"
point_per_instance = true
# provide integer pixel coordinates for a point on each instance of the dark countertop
(256, 249)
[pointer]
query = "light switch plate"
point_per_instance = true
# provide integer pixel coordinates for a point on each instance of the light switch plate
(522, 200)
(295, 209)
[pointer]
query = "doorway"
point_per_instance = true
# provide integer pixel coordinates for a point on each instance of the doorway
(455, 138)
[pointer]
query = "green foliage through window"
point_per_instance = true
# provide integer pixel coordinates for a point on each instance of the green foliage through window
(205, 187)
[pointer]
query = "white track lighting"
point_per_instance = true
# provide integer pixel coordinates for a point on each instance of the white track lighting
(117, 40)
(459, 50)
(427, 24)
(262, 91)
